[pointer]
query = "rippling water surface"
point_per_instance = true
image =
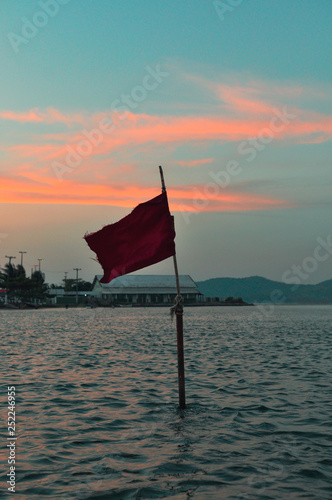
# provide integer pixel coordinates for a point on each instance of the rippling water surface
(97, 411)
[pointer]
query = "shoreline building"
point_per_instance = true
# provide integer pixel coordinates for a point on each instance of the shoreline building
(145, 290)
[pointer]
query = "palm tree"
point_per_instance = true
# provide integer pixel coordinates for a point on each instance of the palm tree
(19, 286)
(8, 275)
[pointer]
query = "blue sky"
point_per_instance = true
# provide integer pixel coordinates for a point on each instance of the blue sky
(227, 72)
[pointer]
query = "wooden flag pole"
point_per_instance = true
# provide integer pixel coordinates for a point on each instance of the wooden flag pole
(179, 335)
(178, 309)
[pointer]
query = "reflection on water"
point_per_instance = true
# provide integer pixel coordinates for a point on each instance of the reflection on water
(97, 407)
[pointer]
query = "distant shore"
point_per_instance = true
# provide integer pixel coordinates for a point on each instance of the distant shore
(119, 306)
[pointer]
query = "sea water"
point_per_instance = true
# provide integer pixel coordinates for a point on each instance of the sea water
(97, 403)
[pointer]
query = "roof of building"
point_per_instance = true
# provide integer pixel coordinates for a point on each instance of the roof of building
(140, 282)
(59, 292)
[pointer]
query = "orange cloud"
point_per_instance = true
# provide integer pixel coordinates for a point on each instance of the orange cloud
(238, 100)
(40, 152)
(256, 97)
(194, 163)
(243, 113)
(144, 129)
(36, 116)
(31, 116)
(191, 198)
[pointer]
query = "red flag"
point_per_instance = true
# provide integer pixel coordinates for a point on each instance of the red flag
(142, 238)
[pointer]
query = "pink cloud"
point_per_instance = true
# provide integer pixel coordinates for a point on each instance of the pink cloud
(239, 99)
(31, 116)
(50, 116)
(236, 98)
(150, 131)
(194, 163)
(244, 113)
(40, 152)
(169, 129)
(190, 198)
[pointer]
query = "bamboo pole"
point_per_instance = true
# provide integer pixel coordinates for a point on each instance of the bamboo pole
(179, 321)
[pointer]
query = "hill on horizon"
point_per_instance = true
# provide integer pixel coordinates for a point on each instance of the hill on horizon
(259, 289)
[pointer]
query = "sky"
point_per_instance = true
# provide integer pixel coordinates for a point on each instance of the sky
(232, 98)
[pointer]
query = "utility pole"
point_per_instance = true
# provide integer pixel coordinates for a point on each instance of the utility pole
(10, 257)
(77, 269)
(65, 280)
(39, 260)
(21, 257)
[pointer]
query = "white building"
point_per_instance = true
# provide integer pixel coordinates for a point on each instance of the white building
(145, 289)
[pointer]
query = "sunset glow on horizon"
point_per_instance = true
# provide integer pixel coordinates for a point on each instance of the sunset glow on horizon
(86, 119)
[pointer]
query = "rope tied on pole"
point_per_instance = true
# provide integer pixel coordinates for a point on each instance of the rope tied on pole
(178, 306)
(177, 310)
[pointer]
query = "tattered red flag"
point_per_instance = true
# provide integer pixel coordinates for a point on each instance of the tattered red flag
(142, 238)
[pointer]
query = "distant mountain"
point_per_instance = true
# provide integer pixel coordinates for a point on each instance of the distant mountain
(258, 289)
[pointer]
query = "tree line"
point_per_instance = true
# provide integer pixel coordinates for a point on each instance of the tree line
(19, 287)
